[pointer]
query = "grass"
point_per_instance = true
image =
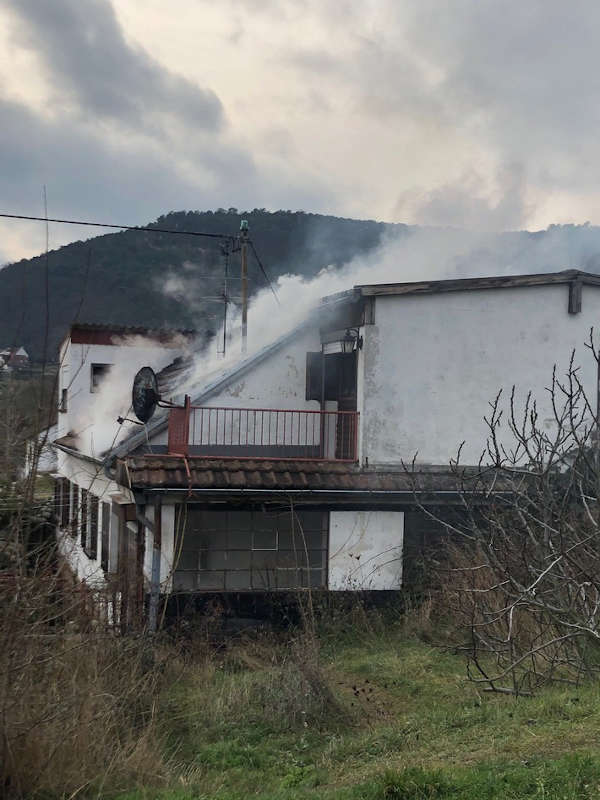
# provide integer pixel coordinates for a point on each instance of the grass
(383, 718)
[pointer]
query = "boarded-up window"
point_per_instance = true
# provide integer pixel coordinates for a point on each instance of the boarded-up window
(105, 534)
(252, 550)
(93, 539)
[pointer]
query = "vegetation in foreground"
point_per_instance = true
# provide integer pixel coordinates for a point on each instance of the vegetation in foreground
(388, 716)
(363, 709)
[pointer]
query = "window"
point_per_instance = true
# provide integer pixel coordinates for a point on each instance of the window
(93, 537)
(98, 373)
(61, 502)
(105, 533)
(62, 406)
(243, 550)
(74, 508)
(84, 519)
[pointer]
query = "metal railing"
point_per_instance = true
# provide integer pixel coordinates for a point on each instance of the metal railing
(267, 433)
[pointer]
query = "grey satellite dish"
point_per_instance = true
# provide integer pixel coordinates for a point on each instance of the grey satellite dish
(144, 395)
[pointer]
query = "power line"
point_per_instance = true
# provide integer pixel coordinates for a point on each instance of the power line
(264, 271)
(146, 229)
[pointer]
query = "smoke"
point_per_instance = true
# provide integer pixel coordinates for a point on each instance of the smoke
(95, 420)
(423, 254)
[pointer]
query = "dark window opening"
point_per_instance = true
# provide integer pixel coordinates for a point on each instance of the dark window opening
(339, 381)
(251, 550)
(74, 509)
(92, 545)
(105, 533)
(84, 528)
(62, 491)
(99, 372)
(62, 407)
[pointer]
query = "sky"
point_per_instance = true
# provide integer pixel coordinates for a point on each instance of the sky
(476, 114)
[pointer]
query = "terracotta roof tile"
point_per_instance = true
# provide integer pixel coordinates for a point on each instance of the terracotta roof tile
(163, 471)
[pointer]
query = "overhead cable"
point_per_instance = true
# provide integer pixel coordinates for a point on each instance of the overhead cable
(264, 271)
(120, 227)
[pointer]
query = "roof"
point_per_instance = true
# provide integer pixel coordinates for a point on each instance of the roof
(91, 333)
(470, 284)
(277, 476)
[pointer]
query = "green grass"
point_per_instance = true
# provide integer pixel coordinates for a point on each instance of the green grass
(402, 722)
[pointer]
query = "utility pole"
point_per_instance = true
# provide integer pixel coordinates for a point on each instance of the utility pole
(244, 258)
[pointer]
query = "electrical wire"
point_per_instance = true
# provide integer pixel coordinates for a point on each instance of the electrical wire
(263, 270)
(144, 228)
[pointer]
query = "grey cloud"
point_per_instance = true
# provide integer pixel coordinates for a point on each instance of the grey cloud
(84, 47)
(132, 182)
(522, 75)
(519, 79)
(467, 203)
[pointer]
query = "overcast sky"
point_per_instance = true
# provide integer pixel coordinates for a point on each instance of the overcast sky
(470, 113)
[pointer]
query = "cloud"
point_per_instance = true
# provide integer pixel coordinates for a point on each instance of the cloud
(473, 114)
(83, 46)
(470, 203)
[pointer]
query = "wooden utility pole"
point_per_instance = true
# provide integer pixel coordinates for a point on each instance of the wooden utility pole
(244, 258)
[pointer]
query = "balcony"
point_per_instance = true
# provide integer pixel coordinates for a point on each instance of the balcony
(263, 433)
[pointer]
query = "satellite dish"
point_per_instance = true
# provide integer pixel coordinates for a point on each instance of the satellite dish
(144, 395)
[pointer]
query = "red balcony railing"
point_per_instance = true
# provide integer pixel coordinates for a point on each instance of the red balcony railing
(267, 433)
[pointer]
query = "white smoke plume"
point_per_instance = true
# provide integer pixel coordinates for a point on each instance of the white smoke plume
(426, 254)
(95, 420)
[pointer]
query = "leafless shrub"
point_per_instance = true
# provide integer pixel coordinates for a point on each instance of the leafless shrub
(77, 703)
(522, 575)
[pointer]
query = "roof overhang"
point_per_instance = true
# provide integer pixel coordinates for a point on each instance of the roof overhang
(472, 284)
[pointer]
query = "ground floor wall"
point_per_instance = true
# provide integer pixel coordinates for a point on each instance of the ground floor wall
(278, 548)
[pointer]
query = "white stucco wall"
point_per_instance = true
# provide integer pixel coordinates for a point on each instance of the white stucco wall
(433, 362)
(47, 457)
(93, 415)
(92, 478)
(365, 550)
(278, 382)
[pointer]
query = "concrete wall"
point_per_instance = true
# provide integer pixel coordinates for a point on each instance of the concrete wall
(432, 363)
(365, 550)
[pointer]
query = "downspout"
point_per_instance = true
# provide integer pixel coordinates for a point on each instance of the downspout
(155, 574)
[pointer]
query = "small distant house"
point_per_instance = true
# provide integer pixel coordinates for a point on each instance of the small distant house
(14, 358)
(287, 471)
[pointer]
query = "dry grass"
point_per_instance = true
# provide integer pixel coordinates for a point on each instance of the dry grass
(77, 706)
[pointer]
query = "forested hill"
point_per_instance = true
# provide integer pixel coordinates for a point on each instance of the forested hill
(120, 278)
(157, 279)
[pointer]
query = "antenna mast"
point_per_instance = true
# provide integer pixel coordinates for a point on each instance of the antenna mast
(244, 265)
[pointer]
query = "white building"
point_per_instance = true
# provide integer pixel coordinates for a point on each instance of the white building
(288, 470)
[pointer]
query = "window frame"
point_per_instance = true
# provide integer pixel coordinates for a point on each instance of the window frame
(104, 370)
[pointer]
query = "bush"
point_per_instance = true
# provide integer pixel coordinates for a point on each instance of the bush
(77, 702)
